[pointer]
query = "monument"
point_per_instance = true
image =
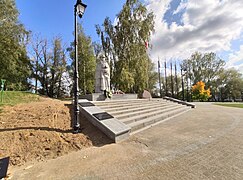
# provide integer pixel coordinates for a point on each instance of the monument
(102, 75)
(102, 83)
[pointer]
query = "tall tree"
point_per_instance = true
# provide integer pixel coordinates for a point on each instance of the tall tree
(57, 68)
(229, 85)
(41, 64)
(203, 67)
(124, 44)
(14, 63)
(86, 61)
(49, 67)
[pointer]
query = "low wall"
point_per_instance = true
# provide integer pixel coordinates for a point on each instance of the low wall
(180, 102)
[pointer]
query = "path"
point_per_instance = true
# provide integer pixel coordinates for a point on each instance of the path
(205, 143)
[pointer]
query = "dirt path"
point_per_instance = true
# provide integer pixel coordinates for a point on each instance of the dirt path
(205, 143)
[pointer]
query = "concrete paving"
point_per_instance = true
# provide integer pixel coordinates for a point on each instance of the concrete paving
(204, 143)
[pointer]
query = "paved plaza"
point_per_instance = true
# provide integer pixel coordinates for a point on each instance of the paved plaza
(204, 143)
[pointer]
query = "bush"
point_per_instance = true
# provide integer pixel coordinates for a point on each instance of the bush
(199, 92)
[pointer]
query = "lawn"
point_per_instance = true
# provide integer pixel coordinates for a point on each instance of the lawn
(237, 105)
(15, 97)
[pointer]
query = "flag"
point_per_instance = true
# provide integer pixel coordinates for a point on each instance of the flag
(146, 44)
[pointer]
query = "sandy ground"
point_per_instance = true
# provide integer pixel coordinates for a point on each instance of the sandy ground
(42, 130)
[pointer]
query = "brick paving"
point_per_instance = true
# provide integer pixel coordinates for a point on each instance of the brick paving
(204, 143)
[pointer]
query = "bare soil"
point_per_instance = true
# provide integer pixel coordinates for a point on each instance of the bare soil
(42, 130)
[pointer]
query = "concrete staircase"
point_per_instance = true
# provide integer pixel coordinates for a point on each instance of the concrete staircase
(141, 114)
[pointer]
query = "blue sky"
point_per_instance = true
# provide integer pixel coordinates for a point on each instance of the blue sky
(181, 26)
(55, 17)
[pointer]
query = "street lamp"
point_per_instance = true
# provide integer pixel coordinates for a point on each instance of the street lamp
(79, 9)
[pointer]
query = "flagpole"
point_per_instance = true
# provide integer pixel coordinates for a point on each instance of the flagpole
(160, 90)
(166, 89)
(171, 77)
(176, 81)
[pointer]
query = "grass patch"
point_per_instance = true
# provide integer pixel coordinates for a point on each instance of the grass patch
(237, 105)
(16, 97)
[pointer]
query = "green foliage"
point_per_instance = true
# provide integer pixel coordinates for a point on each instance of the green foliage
(86, 61)
(152, 76)
(57, 69)
(203, 67)
(124, 45)
(49, 67)
(223, 83)
(176, 86)
(14, 63)
(230, 85)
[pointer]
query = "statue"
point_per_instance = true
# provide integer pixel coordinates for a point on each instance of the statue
(102, 75)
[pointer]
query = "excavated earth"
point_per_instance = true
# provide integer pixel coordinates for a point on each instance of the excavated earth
(42, 130)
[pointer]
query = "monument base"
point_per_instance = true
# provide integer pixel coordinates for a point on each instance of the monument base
(101, 97)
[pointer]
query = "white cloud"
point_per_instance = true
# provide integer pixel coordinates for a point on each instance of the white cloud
(236, 60)
(207, 25)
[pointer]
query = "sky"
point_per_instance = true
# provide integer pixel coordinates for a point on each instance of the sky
(181, 26)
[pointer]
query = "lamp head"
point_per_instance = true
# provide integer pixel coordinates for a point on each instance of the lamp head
(80, 8)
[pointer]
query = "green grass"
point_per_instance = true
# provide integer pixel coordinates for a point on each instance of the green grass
(16, 97)
(237, 105)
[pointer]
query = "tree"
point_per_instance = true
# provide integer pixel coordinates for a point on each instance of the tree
(203, 67)
(199, 92)
(124, 44)
(14, 63)
(230, 85)
(86, 61)
(57, 69)
(176, 86)
(40, 64)
(49, 67)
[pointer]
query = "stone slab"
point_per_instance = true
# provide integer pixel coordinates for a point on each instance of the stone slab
(86, 104)
(4, 162)
(101, 97)
(102, 116)
(112, 127)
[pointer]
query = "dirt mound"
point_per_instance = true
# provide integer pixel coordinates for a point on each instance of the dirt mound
(42, 130)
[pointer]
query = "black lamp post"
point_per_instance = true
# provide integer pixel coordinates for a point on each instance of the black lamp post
(79, 9)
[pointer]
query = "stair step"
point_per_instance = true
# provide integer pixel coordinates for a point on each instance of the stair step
(126, 106)
(104, 103)
(127, 109)
(124, 110)
(145, 111)
(140, 116)
(154, 119)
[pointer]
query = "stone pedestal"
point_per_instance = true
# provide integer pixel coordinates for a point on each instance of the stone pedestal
(101, 97)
